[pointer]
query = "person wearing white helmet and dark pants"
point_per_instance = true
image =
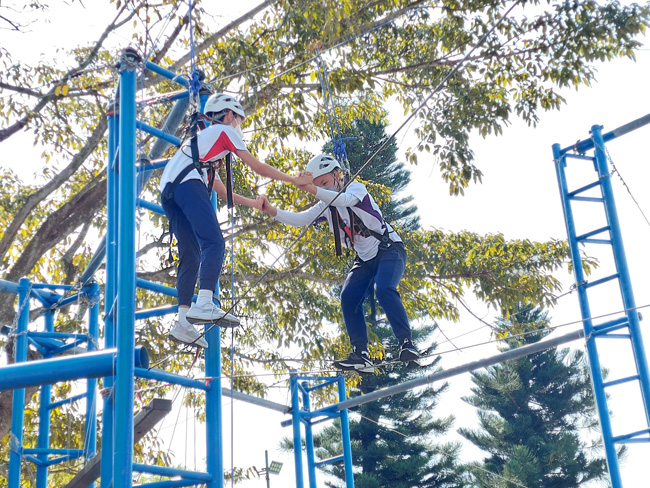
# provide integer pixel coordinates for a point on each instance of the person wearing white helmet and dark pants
(185, 197)
(380, 256)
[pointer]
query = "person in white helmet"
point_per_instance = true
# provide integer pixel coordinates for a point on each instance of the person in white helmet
(380, 256)
(186, 186)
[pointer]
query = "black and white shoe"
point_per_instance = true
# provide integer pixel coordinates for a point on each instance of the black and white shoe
(408, 352)
(356, 361)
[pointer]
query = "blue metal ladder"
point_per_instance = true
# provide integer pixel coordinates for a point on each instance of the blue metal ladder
(301, 387)
(624, 324)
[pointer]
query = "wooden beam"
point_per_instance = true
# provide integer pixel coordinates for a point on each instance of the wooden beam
(143, 422)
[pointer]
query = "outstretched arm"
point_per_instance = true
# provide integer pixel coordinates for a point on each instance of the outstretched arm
(268, 171)
(296, 219)
(238, 199)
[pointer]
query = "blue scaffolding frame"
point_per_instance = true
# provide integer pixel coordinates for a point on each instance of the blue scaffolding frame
(625, 324)
(120, 361)
(301, 387)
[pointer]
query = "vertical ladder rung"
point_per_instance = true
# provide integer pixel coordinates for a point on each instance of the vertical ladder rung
(620, 381)
(601, 281)
(584, 188)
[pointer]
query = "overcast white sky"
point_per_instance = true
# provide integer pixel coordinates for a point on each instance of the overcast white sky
(518, 197)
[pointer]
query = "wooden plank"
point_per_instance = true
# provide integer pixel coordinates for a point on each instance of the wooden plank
(143, 422)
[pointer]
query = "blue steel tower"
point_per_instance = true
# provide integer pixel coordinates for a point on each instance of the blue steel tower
(596, 192)
(119, 362)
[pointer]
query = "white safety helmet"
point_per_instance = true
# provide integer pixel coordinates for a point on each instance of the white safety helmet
(220, 101)
(322, 164)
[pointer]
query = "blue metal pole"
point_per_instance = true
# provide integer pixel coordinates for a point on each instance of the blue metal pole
(124, 383)
(582, 147)
(156, 287)
(297, 441)
(46, 371)
(171, 472)
(160, 134)
(174, 379)
(623, 269)
(153, 207)
(44, 412)
(309, 439)
(587, 323)
(170, 75)
(8, 286)
(345, 436)
(18, 406)
(90, 441)
(156, 312)
(108, 408)
(213, 409)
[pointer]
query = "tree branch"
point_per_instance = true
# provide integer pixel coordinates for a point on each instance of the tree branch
(37, 197)
(51, 95)
(183, 60)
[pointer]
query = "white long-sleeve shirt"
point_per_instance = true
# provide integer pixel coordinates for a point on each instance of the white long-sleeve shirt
(364, 207)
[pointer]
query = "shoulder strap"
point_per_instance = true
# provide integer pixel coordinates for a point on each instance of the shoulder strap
(194, 146)
(229, 182)
(384, 239)
(336, 223)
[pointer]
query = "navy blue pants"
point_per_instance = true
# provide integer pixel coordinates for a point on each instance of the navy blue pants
(200, 241)
(386, 271)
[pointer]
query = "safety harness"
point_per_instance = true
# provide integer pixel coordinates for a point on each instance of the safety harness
(357, 227)
(197, 164)
(197, 122)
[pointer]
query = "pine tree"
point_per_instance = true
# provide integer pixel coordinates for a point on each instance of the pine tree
(392, 444)
(534, 413)
(365, 138)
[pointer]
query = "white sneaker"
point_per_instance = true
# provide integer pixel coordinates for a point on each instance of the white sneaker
(187, 334)
(210, 314)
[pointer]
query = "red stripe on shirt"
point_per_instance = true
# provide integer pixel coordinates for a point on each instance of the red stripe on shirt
(221, 145)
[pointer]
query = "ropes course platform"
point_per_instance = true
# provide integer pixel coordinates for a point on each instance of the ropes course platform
(119, 362)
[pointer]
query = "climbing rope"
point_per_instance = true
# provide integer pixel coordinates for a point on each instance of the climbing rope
(338, 143)
(195, 83)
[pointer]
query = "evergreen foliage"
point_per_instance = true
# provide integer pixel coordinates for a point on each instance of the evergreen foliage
(534, 413)
(398, 50)
(366, 137)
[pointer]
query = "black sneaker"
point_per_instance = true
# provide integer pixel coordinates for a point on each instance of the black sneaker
(408, 352)
(356, 362)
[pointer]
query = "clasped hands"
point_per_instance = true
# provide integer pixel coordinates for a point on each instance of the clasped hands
(304, 181)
